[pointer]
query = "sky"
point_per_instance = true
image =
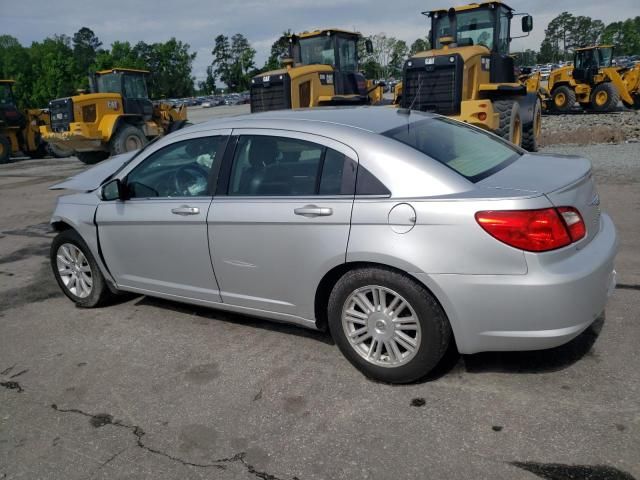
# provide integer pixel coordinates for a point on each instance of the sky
(198, 22)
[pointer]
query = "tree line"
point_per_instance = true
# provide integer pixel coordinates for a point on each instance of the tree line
(567, 32)
(59, 66)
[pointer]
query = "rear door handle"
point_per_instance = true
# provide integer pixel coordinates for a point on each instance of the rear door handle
(185, 210)
(313, 211)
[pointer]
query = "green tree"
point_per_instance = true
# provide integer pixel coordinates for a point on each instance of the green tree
(85, 48)
(279, 48)
(15, 64)
(233, 61)
(53, 70)
(420, 45)
(559, 33)
(399, 52)
(222, 59)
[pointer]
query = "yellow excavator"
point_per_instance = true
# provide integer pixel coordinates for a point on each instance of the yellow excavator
(19, 131)
(116, 117)
(469, 74)
(594, 82)
(321, 70)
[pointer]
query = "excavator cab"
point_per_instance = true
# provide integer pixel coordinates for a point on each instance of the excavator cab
(331, 47)
(130, 84)
(321, 70)
(588, 62)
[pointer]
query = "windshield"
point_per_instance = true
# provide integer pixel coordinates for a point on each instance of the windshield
(473, 153)
(605, 56)
(110, 83)
(316, 50)
(347, 54)
(475, 27)
(134, 86)
(6, 97)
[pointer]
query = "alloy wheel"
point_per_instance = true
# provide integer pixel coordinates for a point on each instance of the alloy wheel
(74, 270)
(381, 326)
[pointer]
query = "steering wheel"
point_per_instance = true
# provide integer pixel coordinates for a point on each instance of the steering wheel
(190, 180)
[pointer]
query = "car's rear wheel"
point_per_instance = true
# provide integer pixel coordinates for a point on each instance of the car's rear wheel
(387, 325)
(76, 271)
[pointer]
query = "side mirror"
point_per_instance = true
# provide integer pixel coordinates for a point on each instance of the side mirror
(112, 190)
(368, 45)
(527, 23)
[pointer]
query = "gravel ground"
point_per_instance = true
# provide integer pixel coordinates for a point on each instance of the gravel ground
(587, 128)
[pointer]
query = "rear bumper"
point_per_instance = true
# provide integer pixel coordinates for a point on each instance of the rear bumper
(545, 308)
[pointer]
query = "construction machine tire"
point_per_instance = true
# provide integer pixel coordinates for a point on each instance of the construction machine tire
(605, 98)
(177, 125)
(126, 139)
(58, 152)
(5, 150)
(510, 127)
(563, 99)
(91, 158)
(532, 132)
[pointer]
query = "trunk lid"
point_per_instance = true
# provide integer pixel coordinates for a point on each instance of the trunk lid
(565, 180)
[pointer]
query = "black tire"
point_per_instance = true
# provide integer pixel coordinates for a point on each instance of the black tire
(532, 131)
(58, 152)
(126, 139)
(5, 150)
(100, 293)
(91, 158)
(610, 95)
(435, 328)
(563, 98)
(39, 152)
(510, 127)
(177, 125)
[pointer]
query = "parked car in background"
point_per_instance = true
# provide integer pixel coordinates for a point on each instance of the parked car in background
(353, 220)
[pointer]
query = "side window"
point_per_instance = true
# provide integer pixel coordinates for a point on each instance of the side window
(279, 166)
(134, 86)
(181, 169)
(503, 39)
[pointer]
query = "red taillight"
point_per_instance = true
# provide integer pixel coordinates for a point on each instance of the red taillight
(534, 230)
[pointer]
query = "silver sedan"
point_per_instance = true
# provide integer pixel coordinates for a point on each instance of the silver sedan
(399, 232)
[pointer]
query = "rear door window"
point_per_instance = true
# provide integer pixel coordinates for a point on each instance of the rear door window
(279, 166)
(469, 151)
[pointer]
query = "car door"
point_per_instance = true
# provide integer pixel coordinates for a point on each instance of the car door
(156, 240)
(281, 218)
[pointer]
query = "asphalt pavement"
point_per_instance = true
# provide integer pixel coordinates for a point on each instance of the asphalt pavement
(154, 389)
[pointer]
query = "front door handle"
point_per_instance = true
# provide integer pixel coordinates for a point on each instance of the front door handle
(185, 210)
(313, 211)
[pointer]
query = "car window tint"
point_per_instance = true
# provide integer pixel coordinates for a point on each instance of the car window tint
(471, 152)
(181, 169)
(265, 165)
(338, 174)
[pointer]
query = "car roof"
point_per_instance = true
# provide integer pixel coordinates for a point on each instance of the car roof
(376, 119)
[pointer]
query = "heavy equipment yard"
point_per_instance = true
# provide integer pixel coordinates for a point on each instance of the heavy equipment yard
(152, 388)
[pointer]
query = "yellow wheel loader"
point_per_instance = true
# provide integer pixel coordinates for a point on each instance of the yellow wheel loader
(19, 131)
(116, 117)
(469, 75)
(593, 82)
(322, 70)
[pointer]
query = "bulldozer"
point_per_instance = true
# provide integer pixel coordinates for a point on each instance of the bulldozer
(594, 82)
(321, 70)
(117, 116)
(468, 74)
(19, 131)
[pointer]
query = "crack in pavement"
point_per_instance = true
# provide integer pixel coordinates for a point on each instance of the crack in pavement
(12, 386)
(101, 419)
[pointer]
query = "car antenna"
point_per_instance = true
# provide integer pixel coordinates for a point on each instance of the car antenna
(407, 111)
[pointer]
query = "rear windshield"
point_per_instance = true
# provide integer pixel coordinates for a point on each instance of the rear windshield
(471, 152)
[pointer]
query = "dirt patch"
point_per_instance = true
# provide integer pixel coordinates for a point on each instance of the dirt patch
(589, 128)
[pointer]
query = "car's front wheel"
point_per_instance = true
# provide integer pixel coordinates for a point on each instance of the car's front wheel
(387, 325)
(76, 271)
